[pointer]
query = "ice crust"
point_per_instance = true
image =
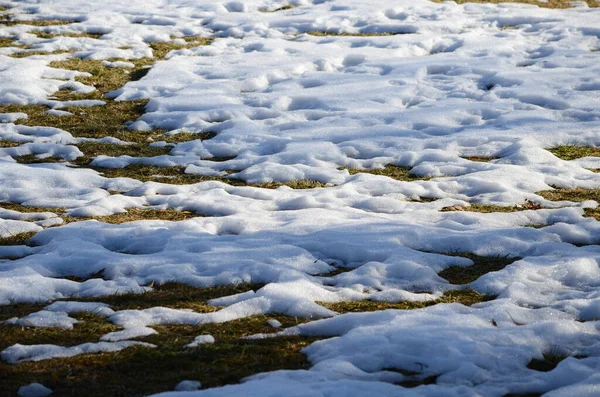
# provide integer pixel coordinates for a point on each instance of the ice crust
(453, 81)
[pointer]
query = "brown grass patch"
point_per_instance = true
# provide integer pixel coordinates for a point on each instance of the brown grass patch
(345, 34)
(285, 7)
(466, 297)
(488, 208)
(480, 159)
(52, 35)
(17, 239)
(139, 214)
(6, 144)
(561, 4)
(572, 152)
(482, 265)
(391, 171)
(37, 22)
(160, 50)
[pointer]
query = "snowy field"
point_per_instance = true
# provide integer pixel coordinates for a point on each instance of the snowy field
(316, 162)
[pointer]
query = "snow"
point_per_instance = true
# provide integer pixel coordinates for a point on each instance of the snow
(200, 340)
(503, 81)
(34, 390)
(188, 385)
(20, 353)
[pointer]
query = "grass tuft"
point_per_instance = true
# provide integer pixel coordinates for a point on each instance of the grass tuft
(547, 363)
(391, 171)
(466, 297)
(572, 152)
(559, 4)
(488, 208)
(482, 265)
(17, 239)
(345, 34)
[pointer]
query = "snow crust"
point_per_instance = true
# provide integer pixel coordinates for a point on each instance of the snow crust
(450, 82)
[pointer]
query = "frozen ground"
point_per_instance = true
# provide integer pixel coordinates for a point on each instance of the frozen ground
(425, 86)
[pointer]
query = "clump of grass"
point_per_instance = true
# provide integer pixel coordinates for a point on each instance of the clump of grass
(391, 171)
(547, 363)
(16, 239)
(37, 22)
(185, 137)
(576, 195)
(18, 310)
(285, 7)
(160, 50)
(482, 265)
(466, 297)
(560, 4)
(345, 34)
(480, 159)
(299, 184)
(25, 54)
(29, 209)
(94, 149)
(572, 152)
(139, 214)
(34, 159)
(9, 42)
(488, 208)
(5, 144)
(52, 35)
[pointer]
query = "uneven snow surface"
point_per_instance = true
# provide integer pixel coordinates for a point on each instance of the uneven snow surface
(449, 82)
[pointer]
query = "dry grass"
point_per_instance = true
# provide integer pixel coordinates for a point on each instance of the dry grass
(547, 363)
(94, 149)
(9, 42)
(160, 50)
(345, 34)
(139, 214)
(26, 54)
(480, 159)
(560, 4)
(52, 35)
(482, 265)
(37, 22)
(466, 297)
(177, 176)
(285, 7)
(29, 209)
(488, 208)
(575, 195)
(131, 215)
(5, 144)
(572, 152)
(17, 239)
(391, 171)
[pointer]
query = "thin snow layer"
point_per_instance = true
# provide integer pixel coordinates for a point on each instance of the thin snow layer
(448, 82)
(21, 353)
